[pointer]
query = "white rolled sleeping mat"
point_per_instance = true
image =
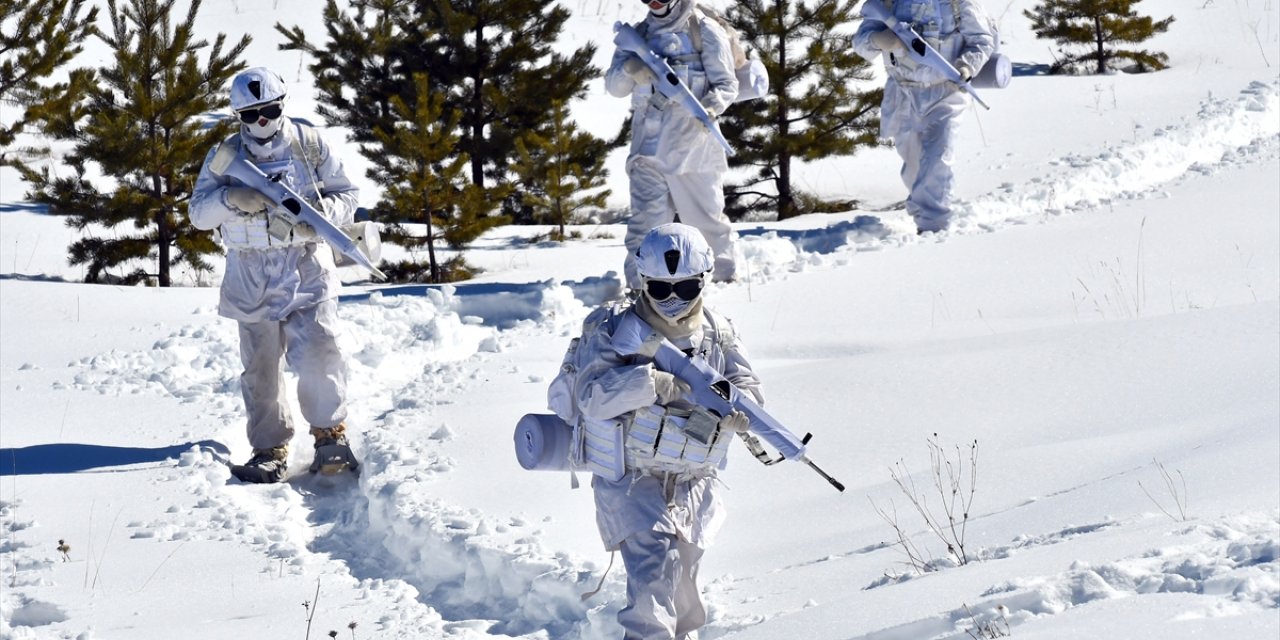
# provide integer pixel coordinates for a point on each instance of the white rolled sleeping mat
(995, 74)
(542, 442)
(368, 239)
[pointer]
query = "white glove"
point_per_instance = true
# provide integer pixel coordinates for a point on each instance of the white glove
(638, 70)
(886, 40)
(712, 104)
(736, 422)
(246, 199)
(966, 73)
(668, 387)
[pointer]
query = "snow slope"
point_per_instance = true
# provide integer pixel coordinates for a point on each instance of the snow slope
(1108, 306)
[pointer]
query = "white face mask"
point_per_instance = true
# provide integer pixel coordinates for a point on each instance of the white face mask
(672, 307)
(264, 131)
(662, 11)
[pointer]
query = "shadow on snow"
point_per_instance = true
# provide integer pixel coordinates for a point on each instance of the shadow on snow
(74, 458)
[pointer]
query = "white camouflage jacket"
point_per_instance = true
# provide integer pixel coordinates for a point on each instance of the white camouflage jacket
(669, 132)
(267, 279)
(958, 29)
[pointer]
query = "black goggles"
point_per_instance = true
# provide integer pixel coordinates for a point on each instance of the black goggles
(686, 290)
(270, 112)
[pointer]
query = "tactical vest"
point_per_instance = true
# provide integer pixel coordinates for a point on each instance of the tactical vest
(651, 439)
(241, 232)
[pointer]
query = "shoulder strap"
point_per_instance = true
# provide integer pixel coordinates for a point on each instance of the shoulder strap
(695, 28)
(227, 152)
(307, 144)
(721, 326)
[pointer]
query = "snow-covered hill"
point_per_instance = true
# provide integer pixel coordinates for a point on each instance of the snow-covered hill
(1108, 307)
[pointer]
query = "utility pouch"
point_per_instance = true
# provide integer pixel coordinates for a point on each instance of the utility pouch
(701, 425)
(280, 225)
(658, 440)
(598, 446)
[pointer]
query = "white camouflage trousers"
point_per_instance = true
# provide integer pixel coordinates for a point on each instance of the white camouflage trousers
(927, 149)
(663, 602)
(307, 340)
(698, 198)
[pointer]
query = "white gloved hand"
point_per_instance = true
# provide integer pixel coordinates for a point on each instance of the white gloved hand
(736, 422)
(246, 199)
(668, 387)
(638, 70)
(712, 104)
(886, 40)
(966, 73)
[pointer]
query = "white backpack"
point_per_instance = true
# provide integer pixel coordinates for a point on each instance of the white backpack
(753, 80)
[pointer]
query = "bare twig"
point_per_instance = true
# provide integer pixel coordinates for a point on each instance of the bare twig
(153, 573)
(311, 606)
(956, 487)
(914, 557)
(1177, 491)
(989, 629)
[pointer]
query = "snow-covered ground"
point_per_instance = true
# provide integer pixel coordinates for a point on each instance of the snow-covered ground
(1105, 313)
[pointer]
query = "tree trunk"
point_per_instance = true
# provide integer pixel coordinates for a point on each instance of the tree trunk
(786, 196)
(163, 232)
(162, 239)
(1102, 50)
(786, 200)
(431, 247)
(786, 206)
(477, 112)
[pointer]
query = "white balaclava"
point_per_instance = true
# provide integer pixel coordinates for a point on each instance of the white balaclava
(671, 253)
(664, 15)
(256, 88)
(660, 9)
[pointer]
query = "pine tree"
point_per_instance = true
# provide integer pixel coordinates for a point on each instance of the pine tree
(145, 126)
(37, 39)
(814, 109)
(1096, 26)
(423, 176)
(493, 59)
(500, 55)
(555, 166)
(372, 53)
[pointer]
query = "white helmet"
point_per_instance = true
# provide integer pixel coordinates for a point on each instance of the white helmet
(256, 86)
(674, 251)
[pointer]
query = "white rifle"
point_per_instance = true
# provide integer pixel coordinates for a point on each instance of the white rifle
(711, 391)
(234, 166)
(667, 82)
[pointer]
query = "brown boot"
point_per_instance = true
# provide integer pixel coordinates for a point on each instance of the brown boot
(266, 466)
(333, 452)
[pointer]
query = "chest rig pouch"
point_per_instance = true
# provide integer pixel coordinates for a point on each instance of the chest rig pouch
(678, 438)
(666, 439)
